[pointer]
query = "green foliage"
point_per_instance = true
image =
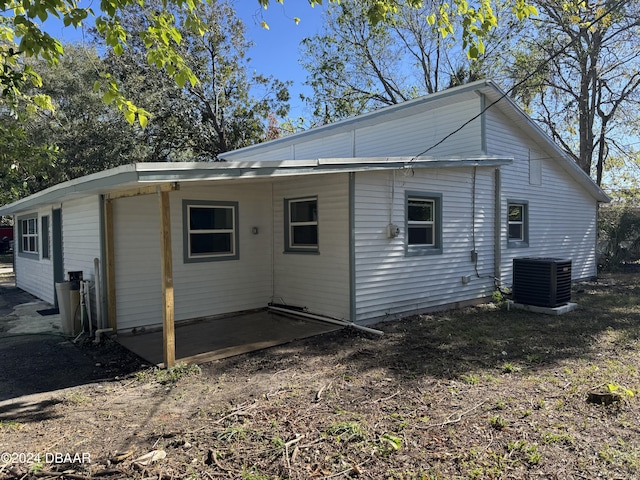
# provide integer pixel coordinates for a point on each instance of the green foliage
(10, 425)
(218, 113)
(497, 422)
(509, 367)
(620, 390)
(348, 431)
(619, 236)
(169, 375)
(356, 65)
(390, 443)
(587, 97)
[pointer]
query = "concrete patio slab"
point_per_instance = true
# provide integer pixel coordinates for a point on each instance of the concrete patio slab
(215, 338)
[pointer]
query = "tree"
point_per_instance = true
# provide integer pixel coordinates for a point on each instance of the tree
(24, 166)
(219, 113)
(586, 95)
(162, 39)
(355, 66)
(81, 126)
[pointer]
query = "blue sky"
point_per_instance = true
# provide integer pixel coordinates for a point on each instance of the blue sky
(276, 50)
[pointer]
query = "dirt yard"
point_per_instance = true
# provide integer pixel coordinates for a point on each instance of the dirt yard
(483, 393)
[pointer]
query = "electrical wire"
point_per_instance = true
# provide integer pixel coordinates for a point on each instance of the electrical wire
(521, 82)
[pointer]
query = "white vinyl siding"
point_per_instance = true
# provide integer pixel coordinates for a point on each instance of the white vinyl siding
(213, 288)
(200, 289)
(570, 232)
(136, 226)
(406, 132)
(319, 282)
(34, 274)
(81, 240)
(389, 283)
(81, 235)
(413, 134)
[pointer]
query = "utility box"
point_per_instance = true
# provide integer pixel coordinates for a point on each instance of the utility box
(544, 282)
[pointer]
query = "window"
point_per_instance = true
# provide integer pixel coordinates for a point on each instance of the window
(28, 232)
(517, 223)
(423, 224)
(301, 225)
(45, 236)
(210, 231)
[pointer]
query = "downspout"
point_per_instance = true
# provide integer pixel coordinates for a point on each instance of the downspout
(497, 226)
(352, 248)
(100, 271)
(598, 203)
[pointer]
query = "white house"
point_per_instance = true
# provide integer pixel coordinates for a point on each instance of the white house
(413, 207)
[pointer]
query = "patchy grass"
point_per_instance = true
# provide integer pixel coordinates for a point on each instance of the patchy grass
(480, 393)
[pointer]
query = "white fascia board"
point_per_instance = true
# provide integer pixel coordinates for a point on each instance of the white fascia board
(130, 176)
(270, 169)
(90, 184)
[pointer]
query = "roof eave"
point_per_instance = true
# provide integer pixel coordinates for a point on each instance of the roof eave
(158, 173)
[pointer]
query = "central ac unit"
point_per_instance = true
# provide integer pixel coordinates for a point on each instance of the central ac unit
(544, 282)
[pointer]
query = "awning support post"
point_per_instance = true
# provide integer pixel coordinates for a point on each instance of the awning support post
(168, 311)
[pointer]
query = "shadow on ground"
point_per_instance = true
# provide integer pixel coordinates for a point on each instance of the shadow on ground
(34, 363)
(488, 338)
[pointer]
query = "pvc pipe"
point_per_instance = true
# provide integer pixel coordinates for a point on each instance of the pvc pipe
(327, 319)
(96, 269)
(99, 332)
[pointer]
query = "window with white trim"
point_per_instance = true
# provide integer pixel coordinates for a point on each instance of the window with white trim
(210, 230)
(301, 224)
(29, 235)
(423, 223)
(517, 223)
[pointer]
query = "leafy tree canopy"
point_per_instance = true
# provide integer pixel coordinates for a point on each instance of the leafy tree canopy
(21, 35)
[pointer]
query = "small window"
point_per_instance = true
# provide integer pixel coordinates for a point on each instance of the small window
(29, 236)
(210, 231)
(45, 236)
(420, 222)
(423, 223)
(517, 223)
(301, 220)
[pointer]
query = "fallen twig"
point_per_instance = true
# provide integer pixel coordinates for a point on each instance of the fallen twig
(319, 392)
(380, 400)
(449, 420)
(345, 472)
(240, 411)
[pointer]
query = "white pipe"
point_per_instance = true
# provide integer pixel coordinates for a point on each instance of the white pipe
(87, 304)
(99, 332)
(96, 269)
(326, 319)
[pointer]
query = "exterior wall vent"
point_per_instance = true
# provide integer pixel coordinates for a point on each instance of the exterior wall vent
(544, 282)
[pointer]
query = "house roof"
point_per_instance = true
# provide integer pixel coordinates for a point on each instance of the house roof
(128, 177)
(141, 174)
(495, 97)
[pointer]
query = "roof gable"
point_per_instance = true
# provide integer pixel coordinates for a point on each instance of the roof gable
(456, 132)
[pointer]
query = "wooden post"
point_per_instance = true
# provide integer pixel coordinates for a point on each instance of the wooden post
(168, 327)
(110, 269)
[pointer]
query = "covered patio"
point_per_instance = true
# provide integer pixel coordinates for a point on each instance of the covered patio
(209, 339)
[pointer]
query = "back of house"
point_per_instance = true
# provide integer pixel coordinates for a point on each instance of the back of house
(418, 206)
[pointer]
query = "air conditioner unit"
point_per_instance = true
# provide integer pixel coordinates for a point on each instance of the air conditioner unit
(544, 282)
